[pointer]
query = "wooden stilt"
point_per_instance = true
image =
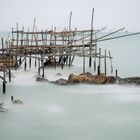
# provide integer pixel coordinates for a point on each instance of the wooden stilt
(83, 55)
(116, 72)
(99, 69)
(9, 74)
(4, 87)
(91, 37)
(105, 62)
(38, 67)
(30, 61)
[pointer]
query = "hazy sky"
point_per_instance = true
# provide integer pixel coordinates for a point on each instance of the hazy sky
(113, 14)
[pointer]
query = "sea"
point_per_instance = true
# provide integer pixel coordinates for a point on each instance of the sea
(75, 112)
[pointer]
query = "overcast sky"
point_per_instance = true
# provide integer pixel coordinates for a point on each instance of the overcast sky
(113, 14)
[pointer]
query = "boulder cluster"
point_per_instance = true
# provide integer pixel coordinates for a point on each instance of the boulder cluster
(87, 78)
(93, 79)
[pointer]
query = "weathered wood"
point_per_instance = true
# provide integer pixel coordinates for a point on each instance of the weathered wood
(91, 38)
(105, 62)
(4, 87)
(83, 55)
(111, 62)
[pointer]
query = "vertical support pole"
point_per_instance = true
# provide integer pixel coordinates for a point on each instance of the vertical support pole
(42, 63)
(25, 63)
(105, 62)
(99, 69)
(83, 53)
(9, 74)
(111, 62)
(38, 67)
(116, 72)
(35, 60)
(4, 84)
(91, 37)
(16, 64)
(95, 51)
(4, 87)
(70, 21)
(30, 61)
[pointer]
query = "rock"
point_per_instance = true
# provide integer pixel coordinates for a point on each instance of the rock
(80, 78)
(100, 79)
(58, 74)
(17, 101)
(40, 79)
(111, 80)
(132, 80)
(61, 81)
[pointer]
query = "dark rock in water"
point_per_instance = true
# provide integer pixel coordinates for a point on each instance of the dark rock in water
(100, 79)
(132, 80)
(2, 109)
(89, 78)
(79, 78)
(40, 79)
(61, 81)
(111, 80)
(58, 74)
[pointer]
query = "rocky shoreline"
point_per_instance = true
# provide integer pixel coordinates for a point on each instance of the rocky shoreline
(93, 79)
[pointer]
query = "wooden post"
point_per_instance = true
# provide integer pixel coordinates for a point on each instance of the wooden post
(35, 60)
(116, 72)
(111, 62)
(91, 37)
(42, 63)
(83, 54)
(70, 21)
(38, 67)
(25, 64)
(105, 62)
(30, 61)
(99, 69)
(16, 64)
(4, 87)
(4, 84)
(9, 74)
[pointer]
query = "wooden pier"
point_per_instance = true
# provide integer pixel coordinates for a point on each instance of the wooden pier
(55, 48)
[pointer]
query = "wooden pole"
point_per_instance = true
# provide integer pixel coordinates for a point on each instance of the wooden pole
(105, 62)
(25, 64)
(38, 67)
(83, 55)
(90, 58)
(16, 64)
(4, 87)
(116, 72)
(70, 21)
(42, 63)
(4, 84)
(99, 69)
(9, 74)
(111, 62)
(30, 61)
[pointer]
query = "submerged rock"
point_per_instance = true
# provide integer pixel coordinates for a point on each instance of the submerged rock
(130, 80)
(61, 81)
(87, 77)
(58, 74)
(100, 79)
(40, 79)
(111, 80)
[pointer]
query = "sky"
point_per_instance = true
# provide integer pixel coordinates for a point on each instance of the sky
(113, 14)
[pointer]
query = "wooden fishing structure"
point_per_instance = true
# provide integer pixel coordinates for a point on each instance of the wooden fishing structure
(55, 48)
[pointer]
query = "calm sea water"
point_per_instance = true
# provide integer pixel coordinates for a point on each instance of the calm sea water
(75, 112)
